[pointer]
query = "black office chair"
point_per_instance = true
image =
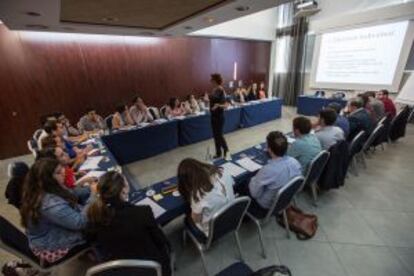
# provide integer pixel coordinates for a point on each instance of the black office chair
(163, 111)
(37, 134)
(126, 268)
(242, 269)
(383, 137)
(375, 134)
(355, 149)
(315, 170)
(15, 242)
(108, 121)
(225, 221)
(399, 124)
(32, 146)
(281, 201)
(155, 113)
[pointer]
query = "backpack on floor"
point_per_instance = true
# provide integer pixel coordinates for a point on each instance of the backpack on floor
(302, 224)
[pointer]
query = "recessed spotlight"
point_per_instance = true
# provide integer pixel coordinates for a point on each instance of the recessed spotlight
(110, 19)
(242, 8)
(209, 19)
(146, 33)
(31, 13)
(37, 26)
(188, 27)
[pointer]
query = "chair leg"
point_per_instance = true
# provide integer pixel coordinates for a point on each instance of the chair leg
(295, 202)
(184, 238)
(236, 236)
(286, 224)
(364, 162)
(259, 231)
(203, 260)
(382, 147)
(354, 166)
(314, 194)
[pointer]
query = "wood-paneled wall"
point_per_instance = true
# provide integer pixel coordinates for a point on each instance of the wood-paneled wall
(43, 73)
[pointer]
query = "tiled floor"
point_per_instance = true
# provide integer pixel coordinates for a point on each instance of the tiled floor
(366, 227)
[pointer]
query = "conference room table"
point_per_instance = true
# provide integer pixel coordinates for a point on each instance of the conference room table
(138, 143)
(311, 105)
(172, 202)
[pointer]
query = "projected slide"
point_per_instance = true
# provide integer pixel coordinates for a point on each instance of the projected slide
(362, 56)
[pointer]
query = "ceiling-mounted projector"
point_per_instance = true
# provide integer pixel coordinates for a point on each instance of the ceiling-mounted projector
(305, 8)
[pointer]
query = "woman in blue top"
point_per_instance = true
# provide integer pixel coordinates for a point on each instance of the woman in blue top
(51, 213)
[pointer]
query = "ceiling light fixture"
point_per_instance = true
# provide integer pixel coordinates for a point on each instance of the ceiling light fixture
(242, 8)
(31, 13)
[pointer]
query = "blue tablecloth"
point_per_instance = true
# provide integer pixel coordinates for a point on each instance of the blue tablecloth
(255, 114)
(196, 129)
(310, 105)
(133, 145)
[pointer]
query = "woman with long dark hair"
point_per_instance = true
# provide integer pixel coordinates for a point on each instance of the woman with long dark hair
(206, 188)
(217, 106)
(50, 212)
(123, 230)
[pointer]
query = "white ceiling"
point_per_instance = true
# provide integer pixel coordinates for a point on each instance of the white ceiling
(14, 15)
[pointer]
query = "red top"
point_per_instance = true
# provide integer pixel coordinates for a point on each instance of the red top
(69, 177)
(389, 106)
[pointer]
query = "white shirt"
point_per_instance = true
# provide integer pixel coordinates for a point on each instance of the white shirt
(221, 194)
(329, 136)
(140, 116)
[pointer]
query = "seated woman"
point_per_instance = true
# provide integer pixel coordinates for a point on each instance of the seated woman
(53, 141)
(206, 188)
(175, 108)
(121, 117)
(191, 105)
(262, 92)
(124, 230)
(51, 213)
(14, 188)
(204, 102)
(238, 96)
(139, 112)
(251, 94)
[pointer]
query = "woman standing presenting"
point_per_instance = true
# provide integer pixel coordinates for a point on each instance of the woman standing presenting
(217, 106)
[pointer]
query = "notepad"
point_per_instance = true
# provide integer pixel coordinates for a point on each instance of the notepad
(91, 163)
(249, 164)
(232, 169)
(96, 174)
(156, 209)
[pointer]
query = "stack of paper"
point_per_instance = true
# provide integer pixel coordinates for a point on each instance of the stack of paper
(90, 174)
(91, 163)
(249, 164)
(232, 169)
(156, 209)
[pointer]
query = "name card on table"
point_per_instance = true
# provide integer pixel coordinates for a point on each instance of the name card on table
(249, 164)
(156, 209)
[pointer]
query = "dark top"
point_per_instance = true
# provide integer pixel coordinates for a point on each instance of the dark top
(134, 234)
(251, 96)
(217, 97)
(14, 191)
(359, 120)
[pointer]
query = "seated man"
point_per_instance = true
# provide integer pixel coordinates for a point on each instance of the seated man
(389, 105)
(328, 134)
(377, 106)
(359, 119)
(91, 121)
(277, 173)
(341, 120)
(139, 112)
(306, 146)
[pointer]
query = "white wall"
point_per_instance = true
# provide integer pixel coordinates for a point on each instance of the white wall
(257, 26)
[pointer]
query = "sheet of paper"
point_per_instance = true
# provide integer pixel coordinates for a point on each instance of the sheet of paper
(179, 117)
(87, 142)
(232, 169)
(96, 174)
(91, 163)
(160, 121)
(290, 140)
(249, 164)
(156, 209)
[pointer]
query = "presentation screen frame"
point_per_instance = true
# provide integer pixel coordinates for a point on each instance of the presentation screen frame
(393, 87)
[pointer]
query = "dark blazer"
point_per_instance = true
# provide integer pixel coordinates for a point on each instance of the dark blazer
(333, 175)
(359, 120)
(133, 234)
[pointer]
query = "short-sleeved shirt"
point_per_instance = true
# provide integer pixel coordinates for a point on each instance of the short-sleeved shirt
(218, 97)
(304, 149)
(329, 136)
(273, 176)
(221, 194)
(86, 124)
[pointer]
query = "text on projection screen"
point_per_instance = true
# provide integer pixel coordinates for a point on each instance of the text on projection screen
(364, 56)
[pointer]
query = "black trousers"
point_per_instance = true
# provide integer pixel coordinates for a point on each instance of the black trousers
(217, 124)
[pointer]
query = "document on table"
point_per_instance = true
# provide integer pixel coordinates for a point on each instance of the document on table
(232, 169)
(156, 209)
(91, 163)
(87, 142)
(95, 174)
(249, 164)
(290, 140)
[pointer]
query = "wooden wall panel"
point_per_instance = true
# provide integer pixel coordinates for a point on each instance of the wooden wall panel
(42, 73)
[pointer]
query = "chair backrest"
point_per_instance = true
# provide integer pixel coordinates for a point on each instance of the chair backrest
(154, 112)
(108, 121)
(399, 124)
(227, 219)
(37, 133)
(376, 133)
(15, 242)
(32, 146)
(316, 167)
(163, 110)
(356, 143)
(126, 267)
(284, 196)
